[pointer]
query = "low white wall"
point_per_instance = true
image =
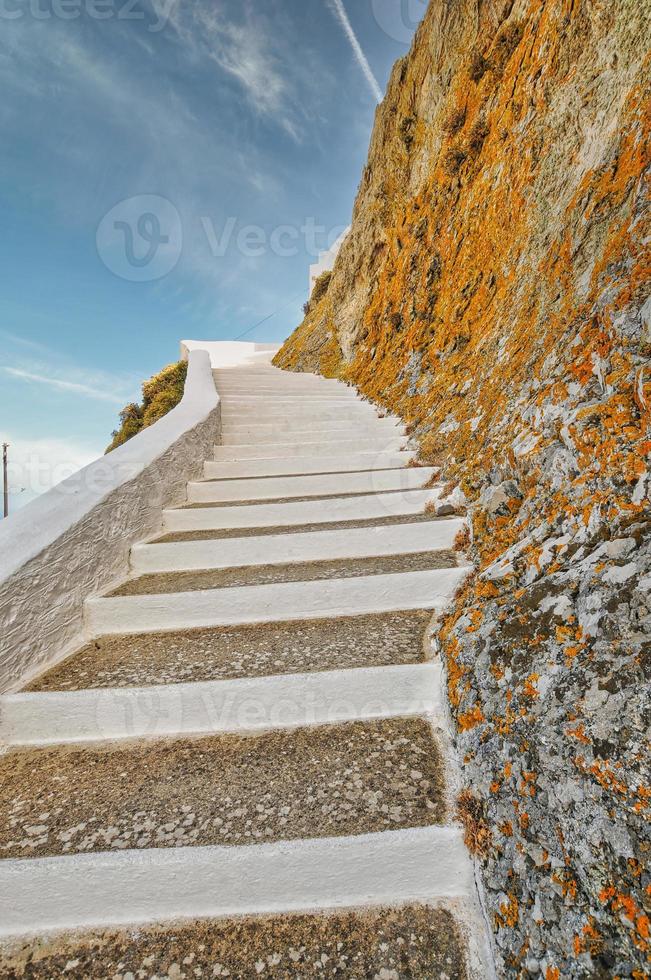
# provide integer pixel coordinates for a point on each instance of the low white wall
(232, 353)
(73, 541)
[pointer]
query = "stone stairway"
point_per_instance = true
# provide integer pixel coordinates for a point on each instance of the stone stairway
(246, 771)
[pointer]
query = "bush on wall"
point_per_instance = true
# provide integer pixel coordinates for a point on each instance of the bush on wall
(160, 394)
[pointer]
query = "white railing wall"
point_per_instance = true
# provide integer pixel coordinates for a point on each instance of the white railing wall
(74, 541)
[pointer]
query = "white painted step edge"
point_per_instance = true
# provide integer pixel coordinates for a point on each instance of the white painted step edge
(326, 447)
(271, 413)
(374, 481)
(253, 704)
(285, 601)
(322, 428)
(251, 436)
(280, 549)
(136, 887)
(297, 512)
(301, 465)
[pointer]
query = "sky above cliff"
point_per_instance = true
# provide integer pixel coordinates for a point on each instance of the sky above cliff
(166, 171)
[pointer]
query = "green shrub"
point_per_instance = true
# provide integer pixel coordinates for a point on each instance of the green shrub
(160, 395)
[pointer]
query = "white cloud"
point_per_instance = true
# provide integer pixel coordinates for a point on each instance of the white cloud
(63, 385)
(36, 465)
(339, 11)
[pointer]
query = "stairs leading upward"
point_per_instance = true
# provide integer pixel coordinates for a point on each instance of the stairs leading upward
(246, 771)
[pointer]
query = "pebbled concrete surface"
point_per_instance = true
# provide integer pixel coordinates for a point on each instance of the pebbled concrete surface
(169, 582)
(312, 782)
(386, 944)
(241, 651)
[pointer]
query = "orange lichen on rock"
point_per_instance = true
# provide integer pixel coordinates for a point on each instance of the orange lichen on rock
(494, 292)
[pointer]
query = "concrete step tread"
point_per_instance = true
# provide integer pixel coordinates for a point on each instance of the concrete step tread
(254, 436)
(289, 499)
(241, 651)
(167, 884)
(283, 601)
(305, 465)
(219, 534)
(241, 706)
(415, 941)
(225, 578)
(316, 447)
(307, 485)
(336, 780)
(281, 549)
(287, 513)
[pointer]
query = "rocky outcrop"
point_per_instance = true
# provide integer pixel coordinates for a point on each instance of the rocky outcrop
(494, 291)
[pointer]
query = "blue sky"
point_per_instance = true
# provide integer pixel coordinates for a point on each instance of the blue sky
(228, 125)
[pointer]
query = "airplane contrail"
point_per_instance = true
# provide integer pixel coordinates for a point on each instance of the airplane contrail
(339, 10)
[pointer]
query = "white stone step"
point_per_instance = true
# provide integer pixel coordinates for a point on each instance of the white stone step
(332, 447)
(297, 465)
(356, 414)
(329, 432)
(245, 400)
(294, 513)
(251, 430)
(279, 380)
(375, 481)
(279, 602)
(136, 887)
(304, 391)
(220, 707)
(360, 542)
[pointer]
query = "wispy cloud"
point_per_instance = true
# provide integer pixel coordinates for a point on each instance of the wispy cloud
(339, 11)
(62, 385)
(246, 51)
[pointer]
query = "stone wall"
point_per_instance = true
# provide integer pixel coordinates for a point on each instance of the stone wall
(494, 291)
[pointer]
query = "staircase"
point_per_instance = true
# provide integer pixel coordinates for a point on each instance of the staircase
(246, 772)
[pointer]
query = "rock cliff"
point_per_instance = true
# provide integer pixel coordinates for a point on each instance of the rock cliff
(494, 292)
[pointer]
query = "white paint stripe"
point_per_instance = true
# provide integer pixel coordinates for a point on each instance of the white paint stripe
(245, 705)
(299, 465)
(375, 481)
(320, 446)
(361, 542)
(137, 887)
(293, 513)
(274, 603)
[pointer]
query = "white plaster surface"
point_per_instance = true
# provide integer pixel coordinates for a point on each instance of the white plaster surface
(137, 887)
(278, 602)
(245, 705)
(361, 542)
(375, 481)
(75, 539)
(300, 511)
(233, 354)
(244, 468)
